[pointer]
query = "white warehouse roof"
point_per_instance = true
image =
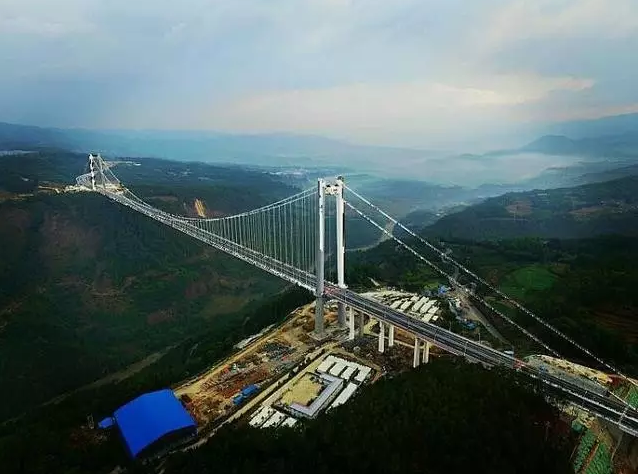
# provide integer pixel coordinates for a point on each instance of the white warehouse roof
(337, 368)
(274, 421)
(290, 421)
(325, 365)
(261, 416)
(364, 371)
(345, 394)
(349, 372)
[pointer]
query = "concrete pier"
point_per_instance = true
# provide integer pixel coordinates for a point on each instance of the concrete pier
(426, 352)
(351, 323)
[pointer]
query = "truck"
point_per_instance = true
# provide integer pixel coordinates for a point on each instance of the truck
(238, 399)
(245, 394)
(249, 390)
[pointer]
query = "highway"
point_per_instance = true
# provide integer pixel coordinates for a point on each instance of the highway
(611, 409)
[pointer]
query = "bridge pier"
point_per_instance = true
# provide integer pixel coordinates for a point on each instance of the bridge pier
(362, 323)
(426, 352)
(351, 323)
(391, 336)
(381, 337)
(319, 322)
(342, 314)
(416, 360)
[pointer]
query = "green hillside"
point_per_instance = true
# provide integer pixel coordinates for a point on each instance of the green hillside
(585, 287)
(583, 211)
(88, 287)
(447, 417)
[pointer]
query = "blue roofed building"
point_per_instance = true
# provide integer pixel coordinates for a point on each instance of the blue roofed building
(153, 422)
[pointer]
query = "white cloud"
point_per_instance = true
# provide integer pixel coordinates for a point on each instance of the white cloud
(42, 18)
(367, 69)
(585, 112)
(526, 19)
(363, 110)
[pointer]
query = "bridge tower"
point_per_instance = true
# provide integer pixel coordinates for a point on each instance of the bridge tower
(92, 167)
(341, 244)
(321, 236)
(331, 189)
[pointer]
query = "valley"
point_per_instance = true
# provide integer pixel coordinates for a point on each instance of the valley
(311, 237)
(146, 322)
(86, 290)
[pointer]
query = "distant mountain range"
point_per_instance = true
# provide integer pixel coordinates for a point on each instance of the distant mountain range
(275, 149)
(552, 160)
(589, 210)
(607, 146)
(604, 126)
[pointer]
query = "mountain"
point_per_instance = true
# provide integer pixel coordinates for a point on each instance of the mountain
(610, 125)
(401, 196)
(434, 419)
(612, 147)
(14, 136)
(593, 176)
(271, 149)
(553, 144)
(581, 211)
(88, 287)
(582, 172)
(550, 161)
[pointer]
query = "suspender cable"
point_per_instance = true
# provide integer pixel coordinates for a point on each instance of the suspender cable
(494, 289)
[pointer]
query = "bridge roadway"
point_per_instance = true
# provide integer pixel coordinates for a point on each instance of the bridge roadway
(598, 403)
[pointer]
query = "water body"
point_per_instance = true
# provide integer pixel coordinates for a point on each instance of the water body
(14, 152)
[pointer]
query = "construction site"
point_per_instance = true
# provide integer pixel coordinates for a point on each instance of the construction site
(283, 374)
(258, 362)
(286, 370)
(326, 383)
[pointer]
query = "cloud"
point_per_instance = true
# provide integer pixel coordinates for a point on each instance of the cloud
(397, 72)
(525, 19)
(362, 110)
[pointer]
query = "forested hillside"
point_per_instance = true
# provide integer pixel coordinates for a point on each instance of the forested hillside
(56, 438)
(447, 417)
(585, 287)
(583, 211)
(88, 287)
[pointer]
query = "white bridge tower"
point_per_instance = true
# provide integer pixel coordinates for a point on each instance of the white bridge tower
(334, 188)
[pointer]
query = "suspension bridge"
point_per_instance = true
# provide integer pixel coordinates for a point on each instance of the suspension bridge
(288, 239)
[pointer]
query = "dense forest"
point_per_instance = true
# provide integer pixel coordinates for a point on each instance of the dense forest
(446, 417)
(585, 287)
(55, 438)
(583, 211)
(88, 287)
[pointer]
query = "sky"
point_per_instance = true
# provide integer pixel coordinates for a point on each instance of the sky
(418, 73)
